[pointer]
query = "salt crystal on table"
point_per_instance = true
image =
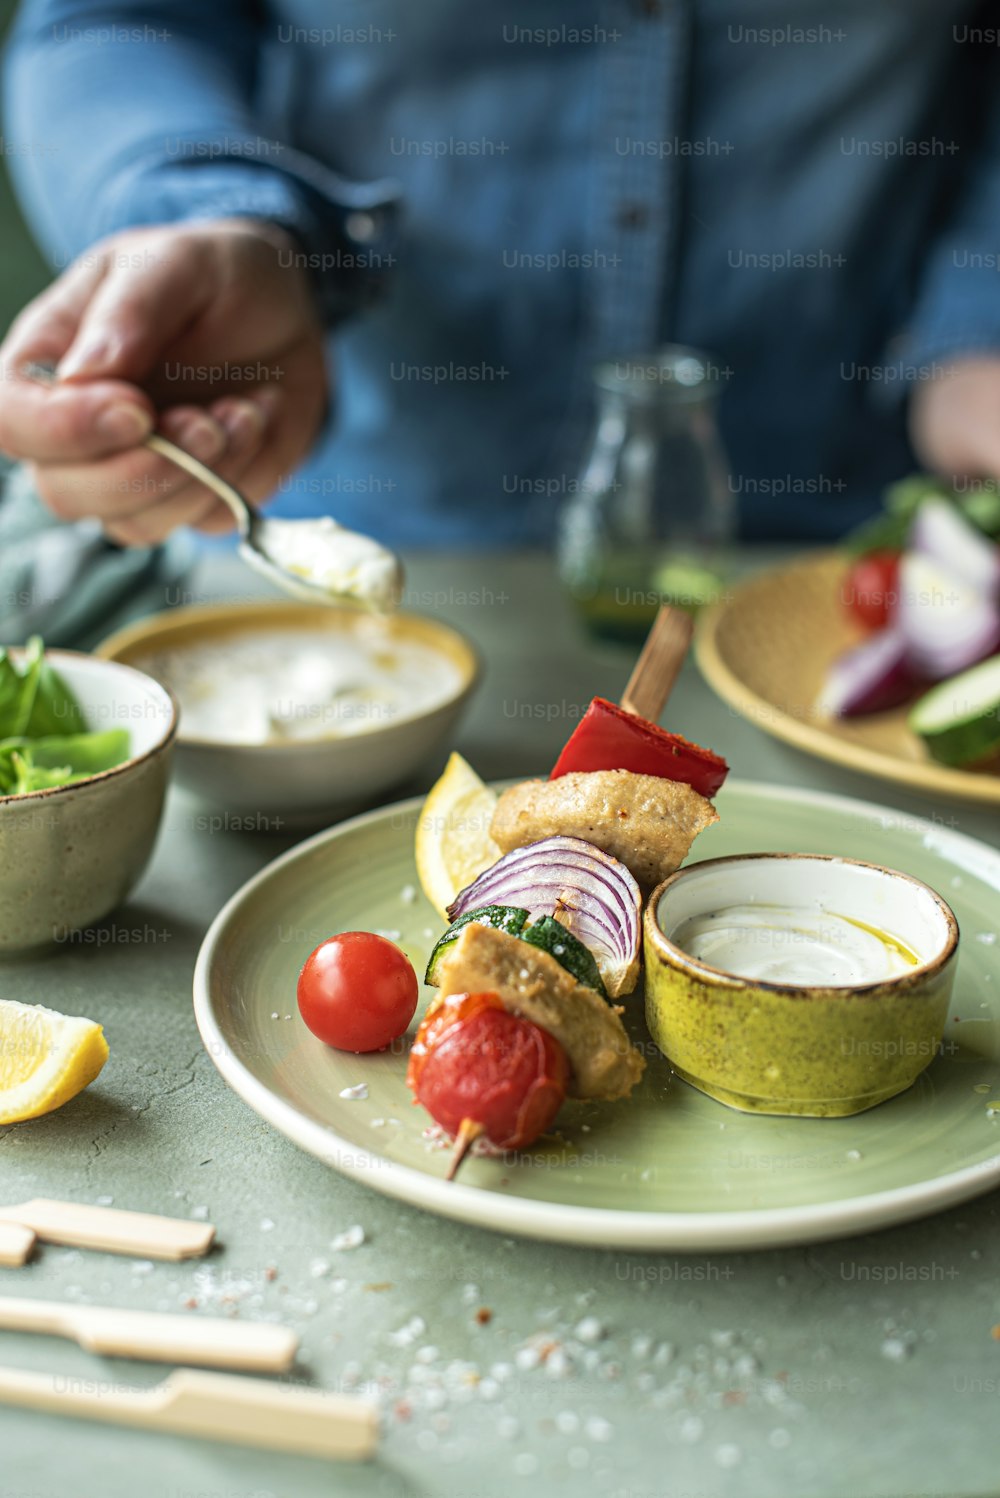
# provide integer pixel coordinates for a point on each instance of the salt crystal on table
(567, 1421)
(358, 1091)
(105, 1201)
(508, 1427)
(352, 1237)
(408, 894)
(266, 1224)
(590, 1329)
(728, 1455)
(200, 1213)
(558, 1364)
(896, 1349)
(319, 1267)
(598, 1429)
(527, 1358)
(691, 1429)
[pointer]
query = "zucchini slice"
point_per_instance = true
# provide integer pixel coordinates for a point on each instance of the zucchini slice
(959, 719)
(570, 953)
(546, 933)
(507, 918)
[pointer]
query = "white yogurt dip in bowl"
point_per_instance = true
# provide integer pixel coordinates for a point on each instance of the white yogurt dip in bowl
(294, 713)
(796, 983)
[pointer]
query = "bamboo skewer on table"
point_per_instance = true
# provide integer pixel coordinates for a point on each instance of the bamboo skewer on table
(156, 1336)
(213, 1406)
(80, 1225)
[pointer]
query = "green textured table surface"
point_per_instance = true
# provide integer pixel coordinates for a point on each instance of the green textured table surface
(865, 1367)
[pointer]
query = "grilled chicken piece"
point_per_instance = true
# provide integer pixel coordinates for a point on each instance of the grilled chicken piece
(604, 1064)
(646, 822)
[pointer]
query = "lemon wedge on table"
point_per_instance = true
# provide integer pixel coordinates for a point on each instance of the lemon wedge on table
(453, 843)
(45, 1059)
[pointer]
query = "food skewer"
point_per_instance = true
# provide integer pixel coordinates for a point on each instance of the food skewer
(649, 686)
(80, 1225)
(214, 1407)
(545, 930)
(156, 1336)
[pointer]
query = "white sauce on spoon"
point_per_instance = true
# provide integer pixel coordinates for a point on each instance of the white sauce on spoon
(341, 562)
(794, 945)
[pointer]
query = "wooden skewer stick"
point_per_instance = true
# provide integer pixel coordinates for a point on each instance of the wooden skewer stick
(468, 1132)
(157, 1336)
(16, 1243)
(659, 663)
(214, 1406)
(80, 1225)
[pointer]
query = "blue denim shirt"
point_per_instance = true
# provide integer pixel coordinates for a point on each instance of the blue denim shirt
(809, 189)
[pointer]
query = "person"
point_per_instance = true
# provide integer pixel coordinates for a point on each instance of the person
(363, 258)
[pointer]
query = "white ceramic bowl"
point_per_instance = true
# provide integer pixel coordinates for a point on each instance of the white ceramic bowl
(303, 781)
(71, 854)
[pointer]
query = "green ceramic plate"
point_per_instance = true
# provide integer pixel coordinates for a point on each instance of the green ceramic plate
(669, 1168)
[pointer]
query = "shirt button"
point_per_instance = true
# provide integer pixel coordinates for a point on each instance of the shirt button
(633, 216)
(361, 227)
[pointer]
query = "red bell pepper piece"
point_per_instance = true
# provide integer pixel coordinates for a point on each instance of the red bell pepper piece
(608, 738)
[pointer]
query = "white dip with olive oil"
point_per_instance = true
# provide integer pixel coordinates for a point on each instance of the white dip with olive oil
(793, 945)
(271, 686)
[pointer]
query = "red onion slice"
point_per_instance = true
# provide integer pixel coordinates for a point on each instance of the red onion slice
(945, 536)
(949, 624)
(592, 894)
(871, 678)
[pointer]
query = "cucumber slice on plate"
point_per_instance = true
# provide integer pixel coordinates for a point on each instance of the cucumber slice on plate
(507, 918)
(959, 719)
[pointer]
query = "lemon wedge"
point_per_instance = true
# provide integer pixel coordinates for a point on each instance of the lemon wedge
(453, 844)
(45, 1059)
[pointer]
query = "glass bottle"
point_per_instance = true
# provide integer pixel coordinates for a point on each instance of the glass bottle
(652, 508)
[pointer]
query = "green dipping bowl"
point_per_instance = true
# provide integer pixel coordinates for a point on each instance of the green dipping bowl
(790, 1048)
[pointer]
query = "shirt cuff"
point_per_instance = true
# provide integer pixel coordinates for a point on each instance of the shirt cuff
(347, 232)
(958, 312)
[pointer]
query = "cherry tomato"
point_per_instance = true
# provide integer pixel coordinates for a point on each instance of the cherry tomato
(357, 992)
(872, 588)
(479, 1063)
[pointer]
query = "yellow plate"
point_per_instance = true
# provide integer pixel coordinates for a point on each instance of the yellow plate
(766, 649)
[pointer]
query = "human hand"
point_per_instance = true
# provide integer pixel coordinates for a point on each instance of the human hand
(955, 419)
(197, 328)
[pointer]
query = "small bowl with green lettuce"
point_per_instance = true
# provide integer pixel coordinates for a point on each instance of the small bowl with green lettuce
(85, 748)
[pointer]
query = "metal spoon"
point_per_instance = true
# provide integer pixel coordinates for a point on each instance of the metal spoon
(375, 583)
